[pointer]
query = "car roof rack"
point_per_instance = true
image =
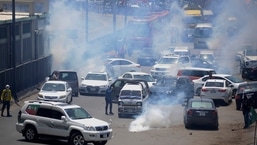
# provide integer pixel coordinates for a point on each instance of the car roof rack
(42, 101)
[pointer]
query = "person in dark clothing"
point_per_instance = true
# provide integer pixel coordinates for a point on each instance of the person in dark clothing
(108, 101)
(246, 108)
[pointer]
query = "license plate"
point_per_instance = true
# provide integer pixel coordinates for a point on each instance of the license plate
(104, 135)
(213, 91)
(202, 113)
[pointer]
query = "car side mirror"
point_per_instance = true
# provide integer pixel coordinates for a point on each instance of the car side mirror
(64, 118)
(47, 79)
(69, 90)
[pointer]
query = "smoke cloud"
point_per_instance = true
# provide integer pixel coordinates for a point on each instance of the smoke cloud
(226, 46)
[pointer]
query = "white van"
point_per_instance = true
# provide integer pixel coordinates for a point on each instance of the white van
(132, 98)
(202, 35)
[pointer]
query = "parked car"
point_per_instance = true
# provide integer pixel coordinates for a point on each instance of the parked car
(234, 80)
(117, 66)
(95, 83)
(139, 75)
(195, 72)
(201, 112)
(244, 89)
(59, 91)
(132, 98)
(56, 120)
(69, 76)
(208, 55)
(147, 57)
(201, 63)
(182, 50)
(174, 86)
(218, 90)
(118, 84)
(169, 65)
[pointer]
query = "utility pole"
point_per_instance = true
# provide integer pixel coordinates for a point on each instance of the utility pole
(13, 51)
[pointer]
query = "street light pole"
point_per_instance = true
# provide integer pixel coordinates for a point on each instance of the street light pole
(114, 4)
(13, 50)
(86, 20)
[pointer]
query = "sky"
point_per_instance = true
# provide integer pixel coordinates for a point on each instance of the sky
(68, 46)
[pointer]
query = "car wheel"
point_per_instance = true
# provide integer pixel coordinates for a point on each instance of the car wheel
(187, 126)
(77, 139)
(243, 74)
(198, 91)
(71, 98)
(120, 115)
(30, 133)
(100, 142)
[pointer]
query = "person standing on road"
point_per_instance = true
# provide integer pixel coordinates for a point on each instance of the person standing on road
(108, 101)
(246, 108)
(6, 98)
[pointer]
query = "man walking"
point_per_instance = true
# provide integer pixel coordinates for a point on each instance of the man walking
(246, 108)
(6, 98)
(108, 101)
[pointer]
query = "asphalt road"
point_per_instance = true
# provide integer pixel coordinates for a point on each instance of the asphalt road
(161, 125)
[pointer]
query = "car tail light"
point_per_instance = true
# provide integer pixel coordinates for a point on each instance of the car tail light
(214, 113)
(222, 90)
(179, 73)
(205, 90)
(189, 112)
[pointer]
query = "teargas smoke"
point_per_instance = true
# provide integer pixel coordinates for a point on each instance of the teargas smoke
(230, 14)
(159, 112)
(66, 30)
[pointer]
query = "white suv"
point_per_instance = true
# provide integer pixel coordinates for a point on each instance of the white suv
(62, 121)
(169, 65)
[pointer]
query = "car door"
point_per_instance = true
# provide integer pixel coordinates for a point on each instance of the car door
(117, 86)
(59, 126)
(69, 91)
(43, 120)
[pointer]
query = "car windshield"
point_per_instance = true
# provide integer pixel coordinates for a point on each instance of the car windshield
(207, 57)
(100, 77)
(251, 52)
(53, 87)
(247, 88)
(235, 79)
(203, 32)
(77, 113)
(181, 52)
(167, 82)
(214, 84)
(202, 104)
(168, 60)
(148, 78)
(130, 94)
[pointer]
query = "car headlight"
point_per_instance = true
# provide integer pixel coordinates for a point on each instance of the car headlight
(40, 96)
(120, 103)
(62, 97)
(139, 103)
(103, 86)
(89, 128)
